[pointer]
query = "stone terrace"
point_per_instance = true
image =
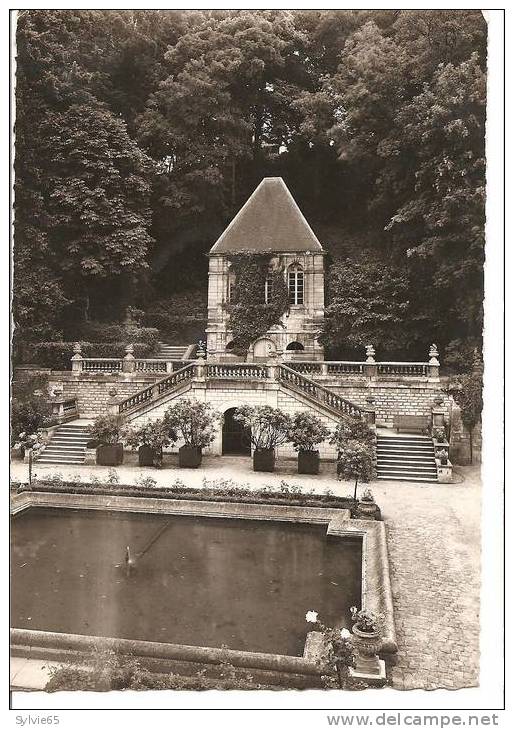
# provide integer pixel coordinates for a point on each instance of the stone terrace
(434, 550)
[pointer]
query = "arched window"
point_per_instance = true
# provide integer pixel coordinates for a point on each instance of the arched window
(229, 346)
(295, 284)
(295, 346)
(268, 287)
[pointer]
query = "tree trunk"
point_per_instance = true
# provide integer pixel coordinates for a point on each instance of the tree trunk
(470, 431)
(355, 490)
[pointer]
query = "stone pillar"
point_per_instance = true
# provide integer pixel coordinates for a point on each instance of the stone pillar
(129, 362)
(200, 361)
(438, 414)
(433, 363)
(370, 365)
(76, 360)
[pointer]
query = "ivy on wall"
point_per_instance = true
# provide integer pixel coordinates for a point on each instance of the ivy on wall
(250, 316)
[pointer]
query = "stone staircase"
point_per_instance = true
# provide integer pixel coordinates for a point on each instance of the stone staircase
(67, 445)
(405, 458)
(170, 352)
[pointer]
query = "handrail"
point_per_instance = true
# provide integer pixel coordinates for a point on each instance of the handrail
(152, 392)
(318, 392)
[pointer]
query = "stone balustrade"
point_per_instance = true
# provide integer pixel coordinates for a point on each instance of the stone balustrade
(64, 408)
(368, 368)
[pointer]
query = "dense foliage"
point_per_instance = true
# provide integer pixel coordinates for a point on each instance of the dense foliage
(155, 434)
(307, 432)
(467, 391)
(250, 315)
(269, 427)
(30, 408)
(193, 420)
(105, 670)
(107, 429)
(140, 133)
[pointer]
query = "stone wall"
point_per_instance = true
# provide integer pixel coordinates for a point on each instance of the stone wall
(93, 390)
(395, 396)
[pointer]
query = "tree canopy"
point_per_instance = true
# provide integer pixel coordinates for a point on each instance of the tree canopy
(139, 133)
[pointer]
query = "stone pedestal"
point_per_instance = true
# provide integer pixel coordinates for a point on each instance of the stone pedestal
(368, 666)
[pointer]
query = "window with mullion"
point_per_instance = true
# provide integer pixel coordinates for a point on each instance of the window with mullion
(295, 285)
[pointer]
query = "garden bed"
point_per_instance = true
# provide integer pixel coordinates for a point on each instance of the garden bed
(230, 494)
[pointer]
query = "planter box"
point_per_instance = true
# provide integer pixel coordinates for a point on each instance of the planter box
(149, 457)
(109, 455)
(308, 462)
(264, 460)
(189, 456)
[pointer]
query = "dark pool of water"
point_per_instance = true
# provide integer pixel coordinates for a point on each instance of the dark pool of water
(212, 582)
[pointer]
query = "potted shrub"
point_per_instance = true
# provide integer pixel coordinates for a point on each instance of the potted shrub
(439, 435)
(150, 439)
(107, 431)
(269, 428)
(356, 461)
(195, 422)
(307, 432)
(366, 624)
(367, 506)
(367, 630)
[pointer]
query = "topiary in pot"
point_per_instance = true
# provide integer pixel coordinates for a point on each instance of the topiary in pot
(356, 461)
(307, 432)
(352, 429)
(269, 428)
(195, 422)
(150, 439)
(108, 430)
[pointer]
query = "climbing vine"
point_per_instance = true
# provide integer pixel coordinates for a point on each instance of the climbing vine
(250, 316)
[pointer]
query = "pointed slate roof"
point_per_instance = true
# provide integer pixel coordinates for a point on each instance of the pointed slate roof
(270, 220)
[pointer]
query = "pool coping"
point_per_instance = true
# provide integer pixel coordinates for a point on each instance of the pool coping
(376, 585)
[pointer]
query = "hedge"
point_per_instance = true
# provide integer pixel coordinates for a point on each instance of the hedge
(112, 333)
(57, 355)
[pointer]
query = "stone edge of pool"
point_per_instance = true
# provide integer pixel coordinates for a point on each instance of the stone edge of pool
(376, 584)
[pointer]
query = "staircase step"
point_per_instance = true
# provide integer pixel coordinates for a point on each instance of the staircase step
(407, 451)
(406, 464)
(407, 478)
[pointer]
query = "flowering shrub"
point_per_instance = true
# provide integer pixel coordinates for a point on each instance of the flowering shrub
(356, 461)
(339, 653)
(155, 434)
(107, 429)
(194, 421)
(439, 434)
(307, 432)
(352, 429)
(269, 427)
(367, 621)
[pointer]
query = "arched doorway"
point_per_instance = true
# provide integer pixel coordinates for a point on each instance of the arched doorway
(235, 437)
(263, 348)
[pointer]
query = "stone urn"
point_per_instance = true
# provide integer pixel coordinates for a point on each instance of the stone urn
(367, 646)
